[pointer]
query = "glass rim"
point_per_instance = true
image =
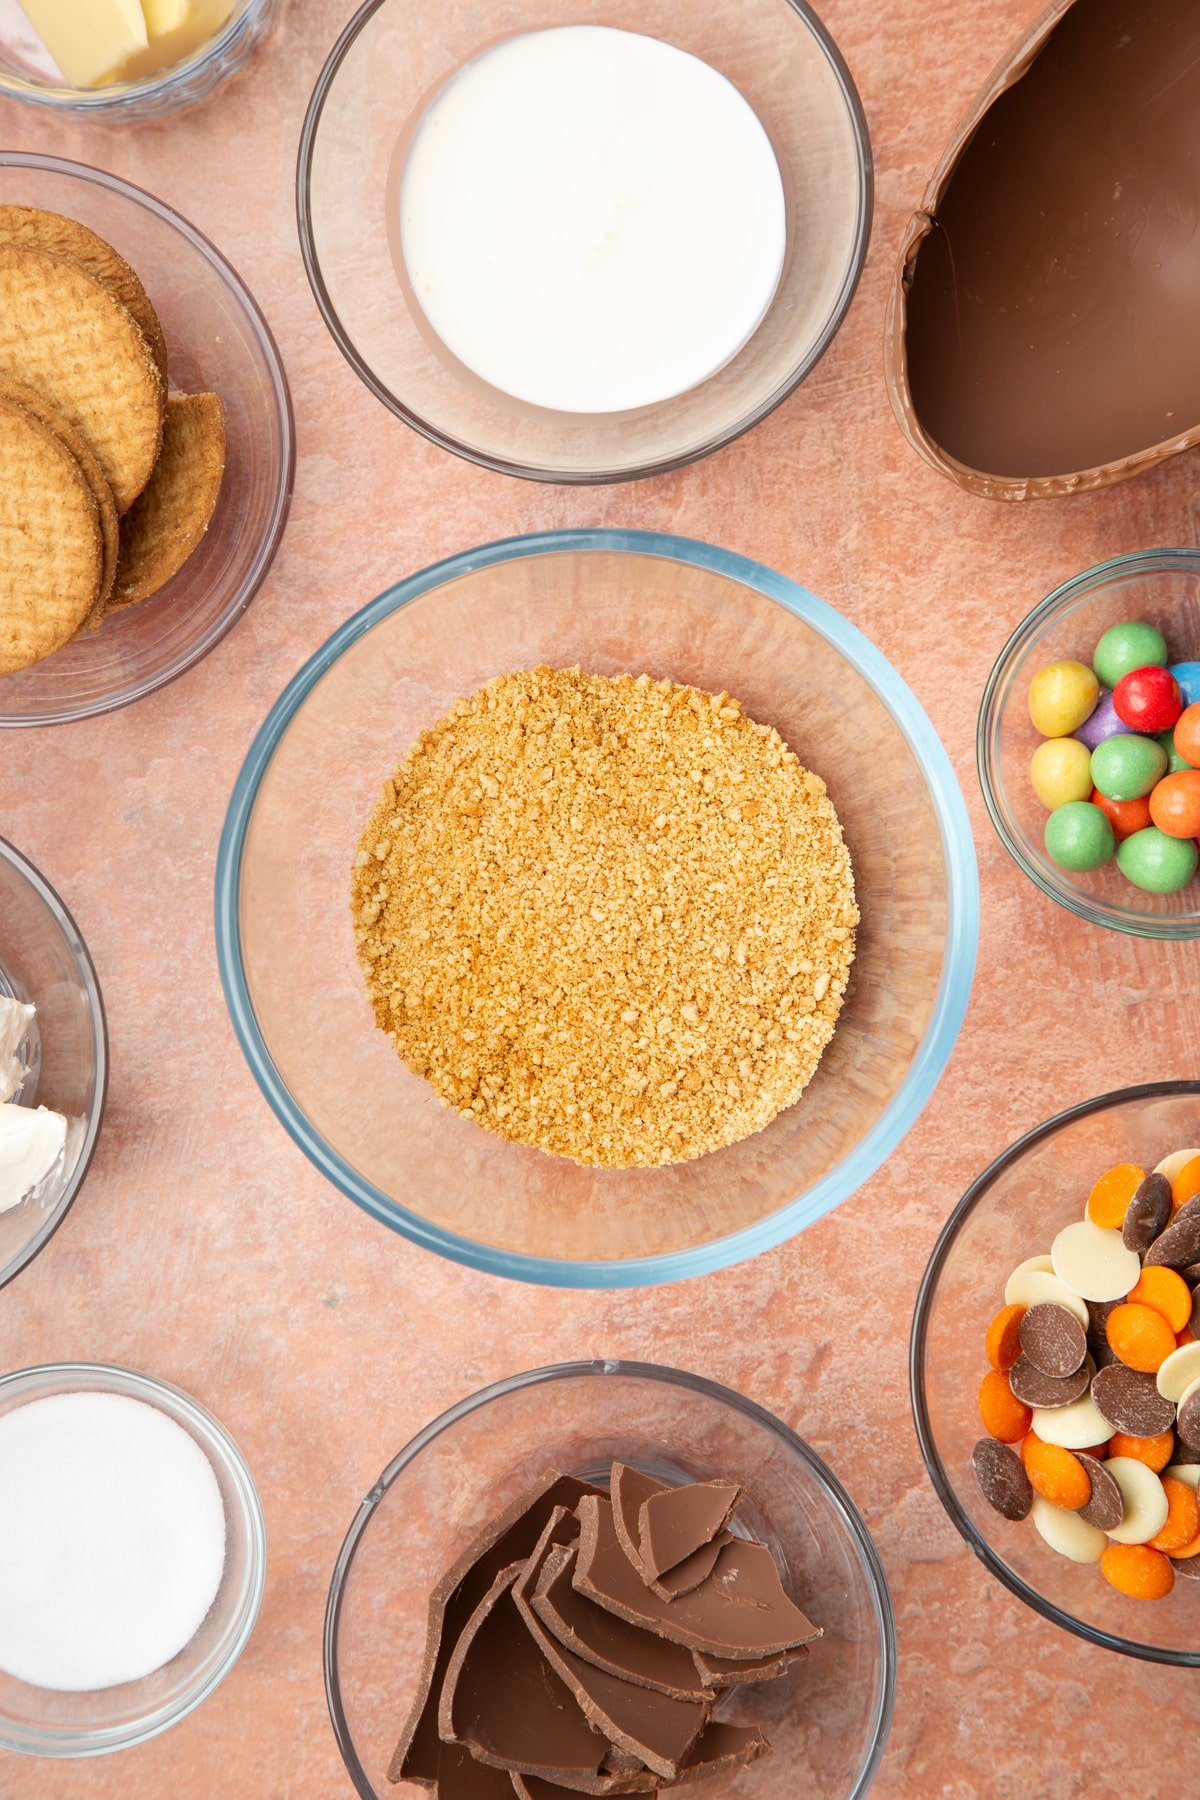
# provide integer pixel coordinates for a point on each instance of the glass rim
(605, 1367)
(1127, 920)
(281, 394)
(943, 1486)
(500, 465)
(99, 1377)
(932, 1055)
(81, 956)
(62, 98)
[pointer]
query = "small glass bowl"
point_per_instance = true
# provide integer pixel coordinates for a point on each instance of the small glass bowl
(611, 602)
(1160, 586)
(1014, 1210)
(194, 77)
(380, 76)
(827, 1720)
(44, 960)
(40, 1722)
(216, 339)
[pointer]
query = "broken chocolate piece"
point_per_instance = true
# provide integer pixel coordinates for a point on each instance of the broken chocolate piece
(1147, 1214)
(420, 1756)
(1106, 1508)
(1032, 1388)
(721, 1748)
(611, 1643)
(506, 1704)
(692, 1571)
(674, 1524)
(1131, 1402)
(723, 1672)
(1002, 1478)
(1053, 1340)
(630, 1492)
(741, 1611)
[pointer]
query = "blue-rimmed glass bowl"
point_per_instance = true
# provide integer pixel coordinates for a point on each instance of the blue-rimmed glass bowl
(609, 601)
(827, 1720)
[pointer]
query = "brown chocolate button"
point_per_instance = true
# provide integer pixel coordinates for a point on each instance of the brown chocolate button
(1188, 1423)
(1131, 1402)
(1194, 1321)
(1002, 1478)
(1179, 1244)
(1148, 1213)
(1099, 1348)
(1034, 1388)
(1106, 1508)
(1053, 1340)
(1187, 1566)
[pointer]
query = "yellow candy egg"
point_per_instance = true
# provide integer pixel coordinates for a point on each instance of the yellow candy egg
(1061, 697)
(1061, 770)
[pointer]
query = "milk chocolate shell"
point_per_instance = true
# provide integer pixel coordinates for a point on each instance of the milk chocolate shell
(1041, 335)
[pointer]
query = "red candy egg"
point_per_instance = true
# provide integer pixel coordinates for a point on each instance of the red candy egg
(1148, 700)
(1125, 816)
(1175, 804)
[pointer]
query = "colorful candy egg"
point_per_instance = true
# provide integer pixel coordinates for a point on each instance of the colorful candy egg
(1061, 696)
(1148, 699)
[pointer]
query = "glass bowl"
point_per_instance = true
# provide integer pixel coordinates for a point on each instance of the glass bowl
(24, 74)
(1014, 1211)
(609, 601)
(216, 339)
(1161, 586)
(40, 1722)
(44, 960)
(827, 1720)
(380, 76)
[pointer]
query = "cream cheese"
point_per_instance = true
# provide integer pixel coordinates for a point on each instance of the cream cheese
(15, 1020)
(31, 1141)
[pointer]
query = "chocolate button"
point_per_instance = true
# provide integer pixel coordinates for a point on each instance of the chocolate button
(1188, 1422)
(1131, 1402)
(1179, 1244)
(1106, 1508)
(1148, 1213)
(1194, 1321)
(1099, 1348)
(1002, 1478)
(1034, 1388)
(1054, 1342)
(1187, 1566)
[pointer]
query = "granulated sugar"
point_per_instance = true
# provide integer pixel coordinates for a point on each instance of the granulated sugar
(112, 1540)
(607, 916)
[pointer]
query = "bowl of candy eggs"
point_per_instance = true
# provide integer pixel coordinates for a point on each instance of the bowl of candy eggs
(1089, 744)
(1055, 1370)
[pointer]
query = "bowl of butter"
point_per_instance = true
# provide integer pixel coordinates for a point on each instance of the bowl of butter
(136, 57)
(53, 1061)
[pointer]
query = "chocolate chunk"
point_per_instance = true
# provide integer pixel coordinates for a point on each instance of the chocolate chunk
(1147, 1214)
(1106, 1508)
(1053, 1340)
(630, 1492)
(1002, 1478)
(723, 1672)
(1131, 1402)
(611, 1643)
(674, 1524)
(504, 1701)
(1035, 1389)
(722, 1748)
(1179, 1244)
(536, 1787)
(740, 1611)
(1188, 1422)
(692, 1571)
(420, 1755)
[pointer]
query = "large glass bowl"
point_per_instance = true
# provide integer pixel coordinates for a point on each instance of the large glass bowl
(217, 340)
(40, 1722)
(44, 961)
(379, 77)
(1161, 586)
(609, 601)
(1013, 1211)
(827, 1720)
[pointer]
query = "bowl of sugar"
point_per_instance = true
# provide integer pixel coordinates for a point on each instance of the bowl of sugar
(593, 248)
(132, 1559)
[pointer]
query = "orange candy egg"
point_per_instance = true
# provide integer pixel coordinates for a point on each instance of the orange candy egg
(1187, 733)
(1125, 816)
(1175, 804)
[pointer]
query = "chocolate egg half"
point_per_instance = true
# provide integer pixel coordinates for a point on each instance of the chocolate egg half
(1044, 325)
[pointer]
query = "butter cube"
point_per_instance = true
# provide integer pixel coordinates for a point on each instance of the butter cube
(165, 15)
(88, 39)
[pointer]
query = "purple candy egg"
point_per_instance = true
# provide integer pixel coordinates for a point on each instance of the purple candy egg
(1102, 722)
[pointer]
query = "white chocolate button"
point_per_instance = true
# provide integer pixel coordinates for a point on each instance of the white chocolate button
(1034, 1265)
(1037, 1287)
(1067, 1533)
(1145, 1498)
(1074, 1427)
(1179, 1372)
(1188, 1473)
(1170, 1166)
(1094, 1262)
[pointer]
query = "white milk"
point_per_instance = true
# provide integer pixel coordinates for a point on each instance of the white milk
(592, 220)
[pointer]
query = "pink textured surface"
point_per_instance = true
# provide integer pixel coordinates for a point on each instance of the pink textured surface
(204, 1247)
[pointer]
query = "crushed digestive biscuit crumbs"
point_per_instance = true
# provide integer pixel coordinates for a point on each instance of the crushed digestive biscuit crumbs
(609, 917)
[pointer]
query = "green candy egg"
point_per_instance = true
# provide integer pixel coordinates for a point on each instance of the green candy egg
(1078, 836)
(1157, 863)
(1130, 645)
(1127, 766)
(1175, 761)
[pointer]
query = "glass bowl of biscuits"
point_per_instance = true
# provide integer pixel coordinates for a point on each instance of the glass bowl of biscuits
(146, 443)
